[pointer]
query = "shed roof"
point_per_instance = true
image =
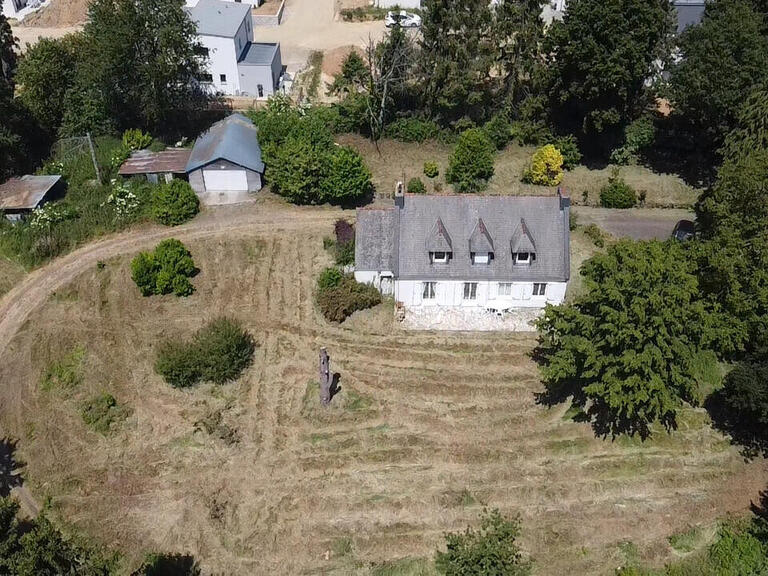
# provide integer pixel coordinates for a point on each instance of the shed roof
(234, 139)
(171, 160)
(26, 192)
(259, 54)
(217, 18)
(545, 222)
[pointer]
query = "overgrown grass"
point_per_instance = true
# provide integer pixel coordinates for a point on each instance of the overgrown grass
(64, 373)
(405, 567)
(689, 540)
(363, 14)
(314, 73)
(102, 413)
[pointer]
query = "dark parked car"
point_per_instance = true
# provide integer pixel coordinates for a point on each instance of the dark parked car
(684, 230)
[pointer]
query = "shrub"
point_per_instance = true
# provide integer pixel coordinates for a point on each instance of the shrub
(218, 352)
(617, 193)
(345, 177)
(174, 203)
(338, 299)
(471, 164)
(165, 270)
(594, 233)
(329, 278)
(568, 147)
(499, 130)
(136, 140)
(411, 130)
(431, 169)
(416, 186)
(491, 549)
(745, 393)
(169, 565)
(638, 136)
(344, 254)
(546, 167)
(101, 412)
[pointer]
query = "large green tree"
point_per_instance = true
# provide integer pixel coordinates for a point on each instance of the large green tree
(600, 56)
(722, 59)
(751, 129)
(626, 349)
(457, 56)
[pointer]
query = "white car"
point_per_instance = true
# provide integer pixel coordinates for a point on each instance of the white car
(403, 19)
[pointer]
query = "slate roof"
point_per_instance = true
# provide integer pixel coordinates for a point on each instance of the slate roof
(438, 239)
(258, 54)
(235, 139)
(408, 230)
(26, 192)
(218, 18)
(480, 240)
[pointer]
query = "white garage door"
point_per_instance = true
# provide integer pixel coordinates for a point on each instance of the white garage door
(225, 180)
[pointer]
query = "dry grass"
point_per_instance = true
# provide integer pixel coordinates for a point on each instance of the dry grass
(10, 274)
(256, 478)
(399, 160)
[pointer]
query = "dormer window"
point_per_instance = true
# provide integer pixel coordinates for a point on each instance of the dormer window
(523, 257)
(481, 257)
(440, 257)
(523, 245)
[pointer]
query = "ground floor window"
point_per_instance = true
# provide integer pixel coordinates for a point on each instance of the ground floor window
(505, 288)
(539, 289)
(470, 290)
(428, 290)
(206, 78)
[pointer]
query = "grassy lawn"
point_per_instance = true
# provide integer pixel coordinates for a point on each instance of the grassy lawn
(256, 477)
(402, 161)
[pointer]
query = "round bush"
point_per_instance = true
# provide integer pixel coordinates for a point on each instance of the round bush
(178, 363)
(431, 169)
(569, 149)
(416, 186)
(617, 194)
(546, 167)
(165, 270)
(499, 130)
(225, 350)
(174, 203)
(471, 164)
(340, 301)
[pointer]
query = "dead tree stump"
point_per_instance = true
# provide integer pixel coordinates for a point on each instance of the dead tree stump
(325, 377)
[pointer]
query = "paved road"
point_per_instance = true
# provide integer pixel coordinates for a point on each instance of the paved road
(637, 223)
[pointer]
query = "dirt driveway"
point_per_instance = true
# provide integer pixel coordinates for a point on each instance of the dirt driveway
(638, 223)
(310, 25)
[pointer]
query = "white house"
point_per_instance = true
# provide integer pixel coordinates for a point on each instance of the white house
(494, 252)
(236, 65)
(225, 165)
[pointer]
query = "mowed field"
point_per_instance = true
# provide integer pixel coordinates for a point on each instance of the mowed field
(256, 478)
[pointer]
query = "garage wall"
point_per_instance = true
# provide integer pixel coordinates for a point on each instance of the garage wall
(215, 197)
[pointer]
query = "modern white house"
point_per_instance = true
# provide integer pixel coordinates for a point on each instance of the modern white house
(491, 252)
(11, 8)
(236, 65)
(225, 166)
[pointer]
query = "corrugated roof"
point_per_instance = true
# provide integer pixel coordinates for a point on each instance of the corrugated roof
(171, 160)
(235, 139)
(217, 18)
(459, 214)
(258, 53)
(25, 193)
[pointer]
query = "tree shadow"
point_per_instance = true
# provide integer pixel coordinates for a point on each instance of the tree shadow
(168, 564)
(751, 439)
(10, 477)
(335, 386)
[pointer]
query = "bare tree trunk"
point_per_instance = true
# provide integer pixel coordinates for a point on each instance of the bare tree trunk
(325, 377)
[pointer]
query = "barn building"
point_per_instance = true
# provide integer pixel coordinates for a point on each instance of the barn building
(20, 196)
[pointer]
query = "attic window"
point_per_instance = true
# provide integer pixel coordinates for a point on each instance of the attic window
(481, 257)
(522, 258)
(440, 257)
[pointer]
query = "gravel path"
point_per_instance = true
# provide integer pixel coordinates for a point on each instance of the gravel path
(637, 223)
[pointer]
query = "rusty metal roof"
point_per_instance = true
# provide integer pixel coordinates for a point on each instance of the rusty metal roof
(171, 160)
(25, 193)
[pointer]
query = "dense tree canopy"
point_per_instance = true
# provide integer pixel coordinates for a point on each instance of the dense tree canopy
(628, 344)
(722, 60)
(600, 57)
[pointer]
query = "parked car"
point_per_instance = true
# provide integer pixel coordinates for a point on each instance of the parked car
(684, 230)
(403, 19)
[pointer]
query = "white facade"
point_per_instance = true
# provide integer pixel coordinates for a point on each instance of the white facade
(223, 54)
(484, 294)
(11, 8)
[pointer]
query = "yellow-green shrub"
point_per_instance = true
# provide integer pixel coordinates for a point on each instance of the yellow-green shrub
(546, 167)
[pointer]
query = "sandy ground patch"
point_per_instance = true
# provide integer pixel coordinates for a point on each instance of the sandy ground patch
(255, 477)
(30, 35)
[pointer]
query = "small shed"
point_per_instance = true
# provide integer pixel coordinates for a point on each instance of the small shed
(225, 165)
(19, 196)
(156, 166)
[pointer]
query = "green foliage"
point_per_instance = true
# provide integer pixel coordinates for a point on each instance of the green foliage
(728, 44)
(471, 164)
(638, 136)
(594, 233)
(546, 167)
(101, 413)
(431, 169)
(617, 193)
(354, 73)
(569, 149)
(599, 61)
(491, 550)
(751, 131)
(411, 129)
(166, 270)
(64, 373)
(416, 186)
(499, 130)
(135, 139)
(339, 295)
(169, 565)
(345, 178)
(626, 348)
(315, 71)
(219, 352)
(174, 203)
